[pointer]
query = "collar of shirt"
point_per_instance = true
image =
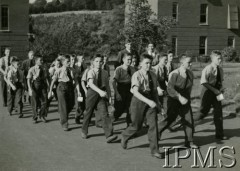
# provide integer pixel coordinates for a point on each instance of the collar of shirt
(96, 70)
(14, 69)
(151, 53)
(128, 50)
(182, 71)
(214, 66)
(37, 67)
(144, 73)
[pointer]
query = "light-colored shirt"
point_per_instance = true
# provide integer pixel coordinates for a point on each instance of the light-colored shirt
(141, 80)
(34, 72)
(93, 74)
(209, 74)
(121, 74)
(4, 63)
(62, 76)
(52, 70)
(177, 83)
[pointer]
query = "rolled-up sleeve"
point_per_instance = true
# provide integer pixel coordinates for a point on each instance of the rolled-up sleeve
(116, 74)
(205, 76)
(171, 84)
(135, 80)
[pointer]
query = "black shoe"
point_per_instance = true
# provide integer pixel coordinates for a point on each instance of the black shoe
(158, 155)
(35, 121)
(83, 135)
(10, 113)
(111, 138)
(44, 119)
(123, 143)
(77, 120)
(20, 116)
(221, 137)
(66, 129)
(190, 145)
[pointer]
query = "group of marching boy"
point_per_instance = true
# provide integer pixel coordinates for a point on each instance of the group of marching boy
(149, 88)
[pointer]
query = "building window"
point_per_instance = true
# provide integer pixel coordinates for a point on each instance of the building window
(233, 21)
(174, 45)
(203, 45)
(175, 11)
(204, 14)
(231, 41)
(4, 17)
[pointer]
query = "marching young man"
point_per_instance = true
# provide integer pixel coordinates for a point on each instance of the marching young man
(37, 87)
(4, 64)
(121, 86)
(65, 90)
(15, 87)
(212, 88)
(179, 99)
(79, 92)
(98, 95)
(145, 103)
(161, 71)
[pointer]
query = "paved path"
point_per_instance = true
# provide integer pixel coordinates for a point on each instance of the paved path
(25, 146)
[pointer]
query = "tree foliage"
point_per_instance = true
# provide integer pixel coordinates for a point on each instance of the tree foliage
(41, 6)
(143, 26)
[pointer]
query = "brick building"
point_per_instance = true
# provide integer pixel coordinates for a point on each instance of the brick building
(14, 27)
(202, 25)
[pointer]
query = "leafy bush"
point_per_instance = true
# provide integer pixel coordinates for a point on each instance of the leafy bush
(230, 54)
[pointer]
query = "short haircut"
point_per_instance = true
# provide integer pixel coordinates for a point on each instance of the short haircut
(145, 56)
(126, 54)
(161, 55)
(73, 55)
(184, 56)
(216, 52)
(127, 41)
(38, 57)
(150, 43)
(169, 51)
(31, 51)
(7, 48)
(14, 59)
(96, 56)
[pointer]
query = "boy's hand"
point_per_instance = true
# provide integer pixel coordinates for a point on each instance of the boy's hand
(103, 94)
(152, 104)
(30, 92)
(14, 88)
(182, 100)
(118, 97)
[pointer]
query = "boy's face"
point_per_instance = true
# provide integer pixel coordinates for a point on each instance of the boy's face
(216, 59)
(31, 55)
(134, 62)
(67, 62)
(80, 59)
(72, 59)
(150, 47)
(187, 63)
(7, 52)
(128, 45)
(170, 57)
(146, 64)
(39, 61)
(16, 65)
(105, 60)
(163, 60)
(127, 60)
(97, 62)
(58, 64)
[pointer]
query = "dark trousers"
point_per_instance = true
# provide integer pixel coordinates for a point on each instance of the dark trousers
(208, 100)
(93, 100)
(175, 108)
(39, 97)
(80, 106)
(139, 110)
(65, 92)
(15, 99)
(124, 104)
(3, 90)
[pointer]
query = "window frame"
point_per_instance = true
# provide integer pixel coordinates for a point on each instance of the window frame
(203, 14)
(205, 45)
(174, 45)
(4, 19)
(232, 38)
(175, 11)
